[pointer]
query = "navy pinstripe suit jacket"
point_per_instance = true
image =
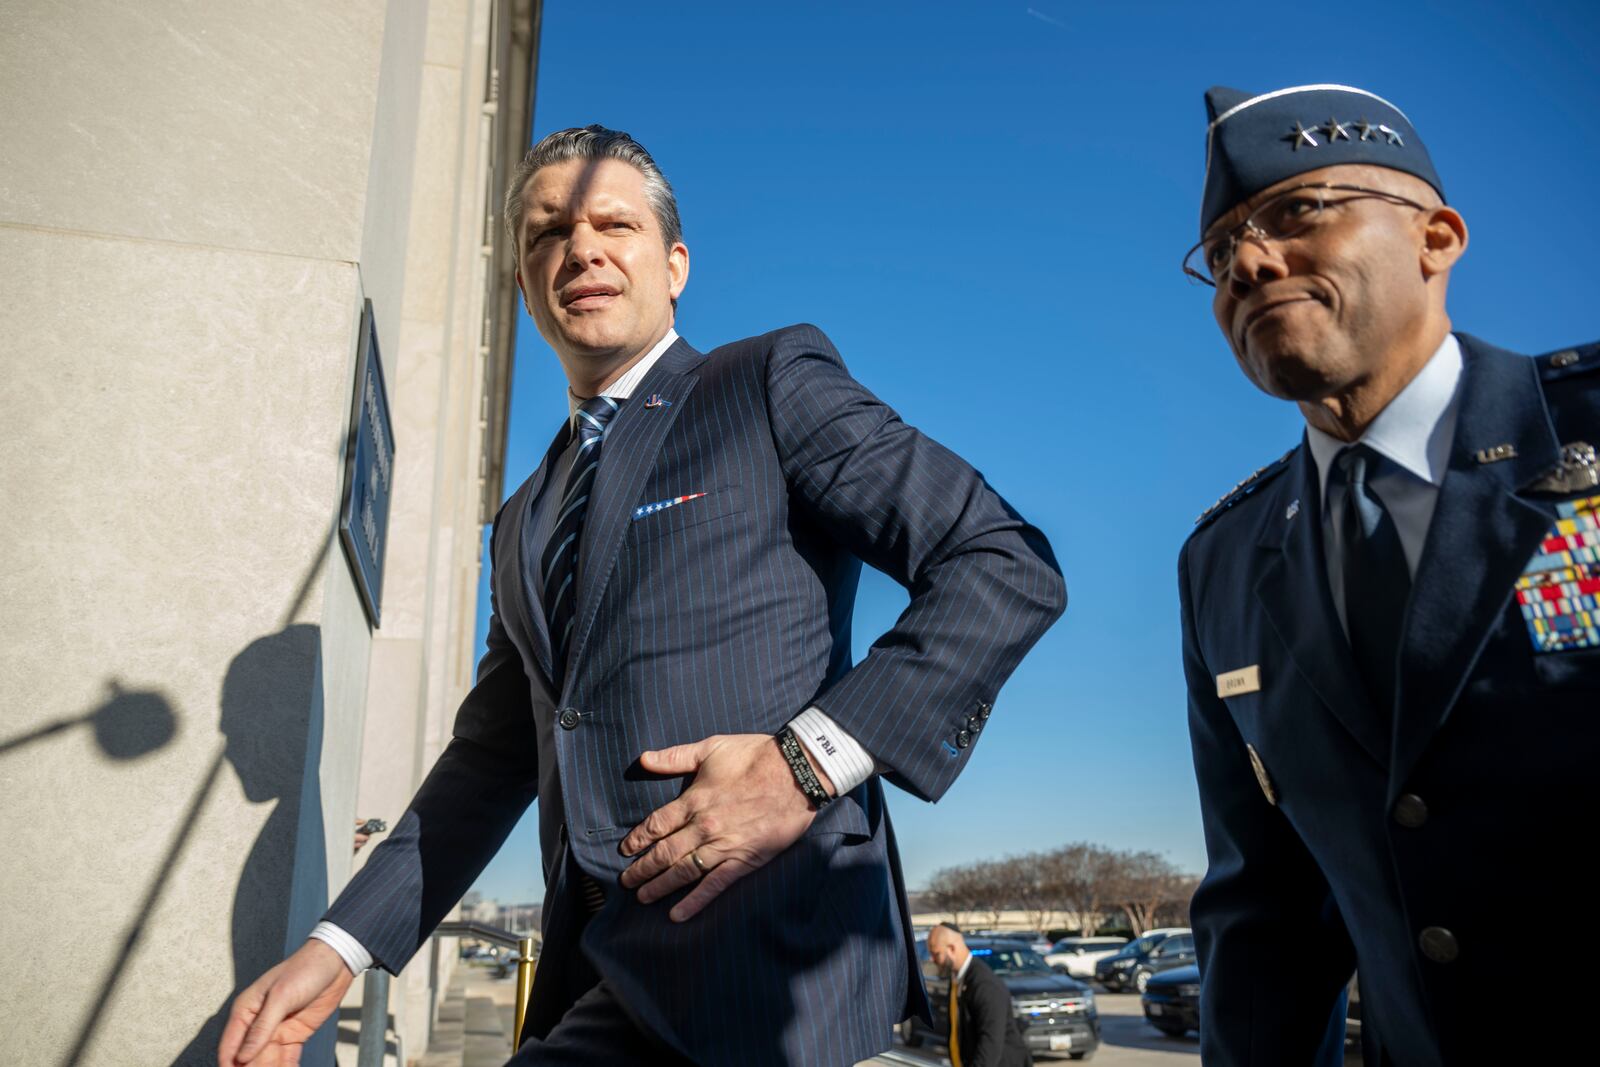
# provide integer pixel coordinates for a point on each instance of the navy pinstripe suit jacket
(729, 614)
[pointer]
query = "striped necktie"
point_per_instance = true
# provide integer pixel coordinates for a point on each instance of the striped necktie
(558, 566)
(1377, 581)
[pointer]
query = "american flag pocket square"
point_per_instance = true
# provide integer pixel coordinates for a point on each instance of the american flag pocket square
(646, 510)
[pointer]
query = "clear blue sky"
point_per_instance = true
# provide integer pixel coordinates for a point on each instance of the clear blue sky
(985, 204)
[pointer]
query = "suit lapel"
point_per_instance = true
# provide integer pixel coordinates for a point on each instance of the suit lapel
(1482, 534)
(526, 570)
(631, 446)
(1293, 591)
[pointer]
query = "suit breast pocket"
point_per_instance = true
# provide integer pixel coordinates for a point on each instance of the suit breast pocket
(675, 514)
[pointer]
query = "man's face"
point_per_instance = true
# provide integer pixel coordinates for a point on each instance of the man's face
(1311, 315)
(942, 949)
(593, 270)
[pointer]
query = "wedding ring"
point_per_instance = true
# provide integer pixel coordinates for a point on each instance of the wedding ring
(698, 863)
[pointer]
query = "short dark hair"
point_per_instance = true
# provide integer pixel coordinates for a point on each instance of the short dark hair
(595, 142)
(952, 927)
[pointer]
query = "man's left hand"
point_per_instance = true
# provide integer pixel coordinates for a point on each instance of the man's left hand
(742, 809)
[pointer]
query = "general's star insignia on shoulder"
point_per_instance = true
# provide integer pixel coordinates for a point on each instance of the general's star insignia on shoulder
(1566, 362)
(1245, 488)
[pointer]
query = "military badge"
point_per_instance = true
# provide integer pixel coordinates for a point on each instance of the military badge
(1262, 779)
(1577, 471)
(1559, 591)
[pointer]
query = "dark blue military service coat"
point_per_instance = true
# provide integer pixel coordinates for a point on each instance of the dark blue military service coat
(1423, 842)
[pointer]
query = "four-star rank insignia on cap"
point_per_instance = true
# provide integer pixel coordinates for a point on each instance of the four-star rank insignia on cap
(1559, 591)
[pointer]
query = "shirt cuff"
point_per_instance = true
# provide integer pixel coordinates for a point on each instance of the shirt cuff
(844, 761)
(349, 949)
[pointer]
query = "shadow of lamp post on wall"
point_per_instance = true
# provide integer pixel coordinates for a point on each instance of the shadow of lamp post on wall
(128, 724)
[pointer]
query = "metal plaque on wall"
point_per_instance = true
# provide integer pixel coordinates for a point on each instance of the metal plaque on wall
(368, 471)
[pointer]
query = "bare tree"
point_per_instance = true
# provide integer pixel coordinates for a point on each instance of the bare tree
(1025, 881)
(956, 890)
(1079, 878)
(1085, 880)
(1142, 884)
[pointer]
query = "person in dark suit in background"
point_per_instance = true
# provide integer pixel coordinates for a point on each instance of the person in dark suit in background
(983, 1031)
(1390, 634)
(669, 674)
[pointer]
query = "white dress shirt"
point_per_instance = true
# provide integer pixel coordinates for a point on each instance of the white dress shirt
(846, 763)
(1414, 433)
(961, 974)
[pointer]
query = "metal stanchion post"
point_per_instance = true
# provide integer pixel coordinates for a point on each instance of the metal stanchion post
(374, 1018)
(524, 985)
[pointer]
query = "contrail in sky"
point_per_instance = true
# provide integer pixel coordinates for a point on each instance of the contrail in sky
(1052, 20)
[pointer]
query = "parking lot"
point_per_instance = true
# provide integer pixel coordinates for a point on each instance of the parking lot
(1126, 1040)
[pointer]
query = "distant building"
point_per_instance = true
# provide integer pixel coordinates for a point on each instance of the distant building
(198, 204)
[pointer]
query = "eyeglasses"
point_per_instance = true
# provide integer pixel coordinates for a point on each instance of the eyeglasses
(1291, 213)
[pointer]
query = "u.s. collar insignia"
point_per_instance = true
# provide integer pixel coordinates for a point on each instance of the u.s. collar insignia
(656, 400)
(1261, 775)
(1578, 470)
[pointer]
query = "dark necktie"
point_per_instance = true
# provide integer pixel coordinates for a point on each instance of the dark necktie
(1376, 581)
(558, 565)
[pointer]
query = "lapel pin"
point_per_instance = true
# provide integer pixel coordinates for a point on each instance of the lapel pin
(655, 400)
(1495, 454)
(1291, 511)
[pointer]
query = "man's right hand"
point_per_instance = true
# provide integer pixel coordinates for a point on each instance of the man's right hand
(272, 1019)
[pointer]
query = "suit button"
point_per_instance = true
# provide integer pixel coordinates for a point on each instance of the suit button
(963, 739)
(569, 718)
(974, 723)
(1439, 944)
(984, 709)
(1410, 811)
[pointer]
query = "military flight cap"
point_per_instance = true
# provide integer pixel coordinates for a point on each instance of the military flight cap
(1258, 141)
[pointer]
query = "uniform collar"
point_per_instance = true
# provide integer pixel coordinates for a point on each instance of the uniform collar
(624, 386)
(1416, 429)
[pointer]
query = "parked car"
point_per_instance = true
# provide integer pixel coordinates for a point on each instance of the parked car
(1171, 1000)
(1171, 1003)
(1078, 955)
(1032, 938)
(1054, 1012)
(1150, 954)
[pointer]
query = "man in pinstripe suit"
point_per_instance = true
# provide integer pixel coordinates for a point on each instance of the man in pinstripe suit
(668, 672)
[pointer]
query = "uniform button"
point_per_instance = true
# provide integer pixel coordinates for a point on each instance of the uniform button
(1410, 811)
(1439, 944)
(569, 718)
(963, 739)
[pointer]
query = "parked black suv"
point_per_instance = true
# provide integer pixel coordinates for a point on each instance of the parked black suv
(1171, 1000)
(1150, 954)
(1055, 1013)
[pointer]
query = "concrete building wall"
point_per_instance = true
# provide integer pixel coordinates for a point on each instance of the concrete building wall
(195, 199)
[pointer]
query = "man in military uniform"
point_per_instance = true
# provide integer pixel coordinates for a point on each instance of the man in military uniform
(1391, 635)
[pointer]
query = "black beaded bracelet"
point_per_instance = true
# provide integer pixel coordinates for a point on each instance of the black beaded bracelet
(804, 776)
